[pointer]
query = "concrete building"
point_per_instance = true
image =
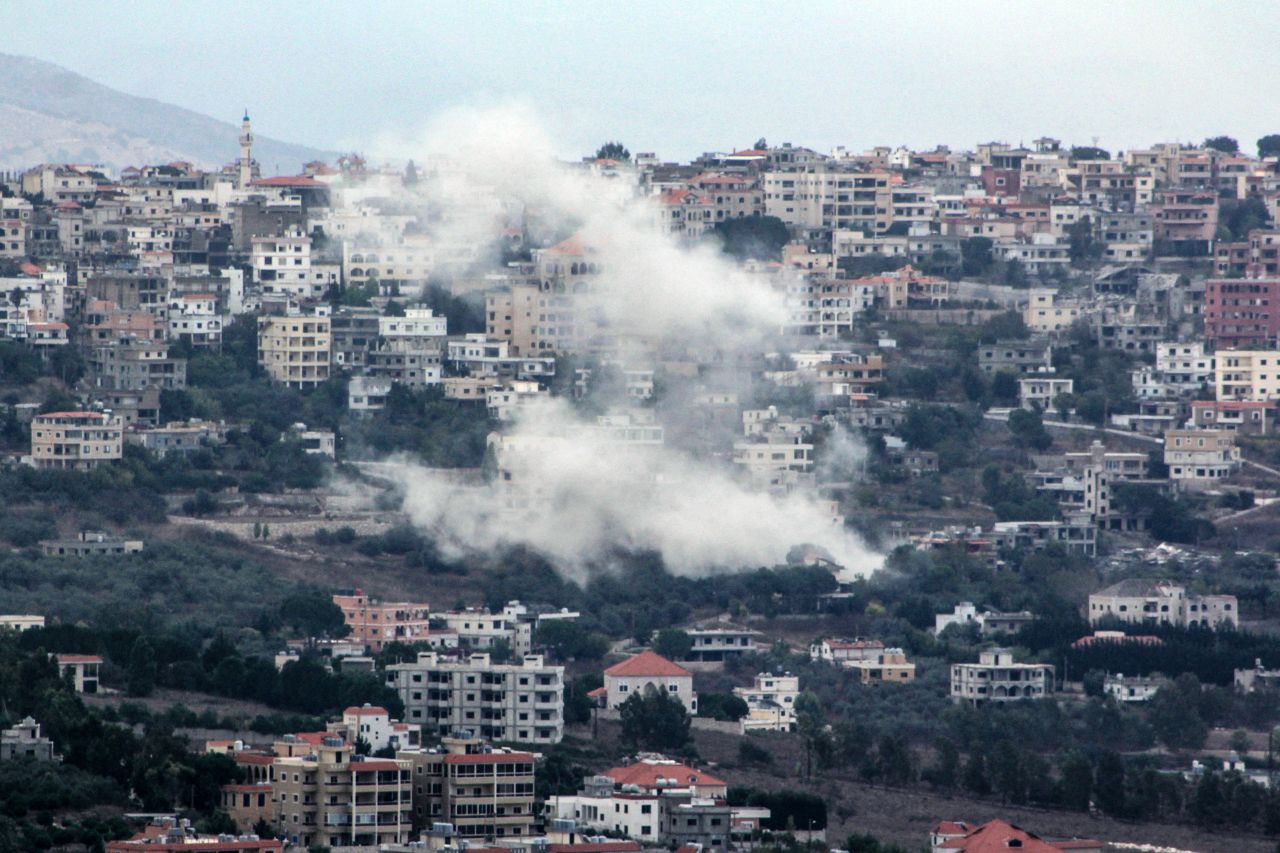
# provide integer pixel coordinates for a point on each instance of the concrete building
(20, 622)
(23, 741)
(1039, 391)
(838, 651)
(721, 641)
(1247, 375)
(648, 670)
(888, 667)
(1136, 688)
(326, 794)
(1200, 458)
(377, 623)
(81, 669)
(294, 349)
(1029, 356)
(90, 543)
(1148, 602)
(770, 702)
(76, 441)
(1242, 313)
(520, 702)
(481, 792)
(996, 678)
(373, 725)
(131, 364)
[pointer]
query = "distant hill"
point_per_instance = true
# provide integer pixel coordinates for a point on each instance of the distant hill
(49, 114)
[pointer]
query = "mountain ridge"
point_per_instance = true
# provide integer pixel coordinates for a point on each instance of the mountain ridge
(51, 114)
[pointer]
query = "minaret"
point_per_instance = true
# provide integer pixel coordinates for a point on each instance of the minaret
(246, 152)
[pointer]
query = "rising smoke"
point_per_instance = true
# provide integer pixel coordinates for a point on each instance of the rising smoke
(580, 496)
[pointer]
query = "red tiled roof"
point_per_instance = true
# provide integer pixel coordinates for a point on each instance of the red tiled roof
(384, 764)
(79, 659)
(488, 758)
(372, 710)
(647, 663)
(571, 246)
(247, 789)
(30, 269)
(646, 775)
(598, 692)
(596, 847)
(995, 837)
(950, 827)
(253, 758)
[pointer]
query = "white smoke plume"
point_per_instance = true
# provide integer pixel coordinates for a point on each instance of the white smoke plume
(575, 495)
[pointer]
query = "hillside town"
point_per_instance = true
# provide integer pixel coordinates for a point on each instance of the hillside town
(777, 499)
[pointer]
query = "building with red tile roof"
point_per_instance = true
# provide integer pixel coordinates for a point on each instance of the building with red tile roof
(651, 775)
(997, 836)
(648, 670)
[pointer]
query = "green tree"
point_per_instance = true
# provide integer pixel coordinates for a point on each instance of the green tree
(1089, 152)
(655, 720)
(313, 612)
(1269, 145)
(753, 237)
(975, 778)
(811, 724)
(1093, 682)
(1225, 144)
(1109, 785)
(1076, 783)
(613, 151)
(673, 644)
(976, 256)
(141, 674)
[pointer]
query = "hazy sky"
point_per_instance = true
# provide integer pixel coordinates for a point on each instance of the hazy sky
(679, 78)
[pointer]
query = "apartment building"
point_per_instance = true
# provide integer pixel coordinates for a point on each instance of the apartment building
(132, 364)
(1242, 313)
(75, 441)
(997, 678)
(481, 792)
(598, 807)
(294, 349)
(1039, 391)
(1200, 458)
(377, 623)
(721, 641)
(1247, 375)
(1251, 417)
(770, 702)
(1046, 311)
(823, 198)
(648, 670)
(1029, 356)
(521, 702)
(1153, 602)
(173, 835)
(282, 266)
(328, 795)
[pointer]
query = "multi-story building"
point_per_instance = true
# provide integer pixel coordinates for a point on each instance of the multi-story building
(1046, 311)
(377, 623)
(1247, 375)
(1029, 356)
(1242, 313)
(23, 740)
(1040, 390)
(1134, 688)
(75, 440)
(1148, 602)
(770, 702)
(1251, 417)
(90, 543)
(647, 670)
(996, 678)
(294, 349)
(520, 702)
(131, 364)
(890, 666)
(1200, 458)
(368, 393)
(326, 794)
(481, 792)
(282, 266)
(81, 669)
(721, 641)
